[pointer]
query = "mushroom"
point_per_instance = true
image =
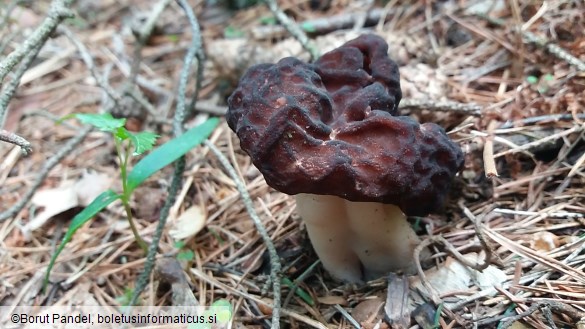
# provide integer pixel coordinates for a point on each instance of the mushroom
(330, 134)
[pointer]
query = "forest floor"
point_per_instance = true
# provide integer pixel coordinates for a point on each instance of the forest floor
(506, 79)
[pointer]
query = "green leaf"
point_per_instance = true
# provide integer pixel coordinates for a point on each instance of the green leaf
(169, 152)
(223, 309)
(268, 20)
(143, 141)
(186, 255)
(125, 298)
(308, 27)
(231, 32)
(121, 133)
(531, 79)
(103, 122)
(179, 244)
(99, 203)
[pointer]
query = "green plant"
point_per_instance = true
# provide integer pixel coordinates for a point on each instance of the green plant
(220, 313)
(126, 297)
(130, 144)
(184, 254)
(231, 32)
(542, 84)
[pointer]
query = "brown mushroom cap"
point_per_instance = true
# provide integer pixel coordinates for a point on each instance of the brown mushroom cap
(331, 128)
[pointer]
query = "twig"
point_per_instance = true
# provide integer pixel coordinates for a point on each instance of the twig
(446, 106)
(480, 236)
(558, 214)
(178, 122)
(489, 162)
(327, 24)
(536, 257)
(142, 37)
(292, 28)
(8, 92)
(143, 279)
(194, 53)
(7, 136)
(562, 308)
(453, 252)
(544, 43)
(542, 119)
(139, 97)
(437, 239)
(49, 164)
(88, 60)
(347, 316)
(274, 259)
(57, 13)
(554, 137)
(555, 50)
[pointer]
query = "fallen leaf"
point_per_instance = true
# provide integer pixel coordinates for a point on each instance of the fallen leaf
(369, 312)
(265, 308)
(333, 300)
(188, 223)
(91, 185)
(69, 195)
(544, 241)
(453, 276)
(518, 325)
(53, 201)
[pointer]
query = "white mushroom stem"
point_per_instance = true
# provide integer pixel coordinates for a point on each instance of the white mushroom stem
(358, 240)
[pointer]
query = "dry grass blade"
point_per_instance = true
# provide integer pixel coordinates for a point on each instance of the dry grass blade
(504, 79)
(535, 256)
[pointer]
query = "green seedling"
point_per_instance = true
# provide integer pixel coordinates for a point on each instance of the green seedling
(268, 20)
(231, 32)
(128, 145)
(126, 297)
(219, 314)
(184, 254)
(531, 79)
(542, 84)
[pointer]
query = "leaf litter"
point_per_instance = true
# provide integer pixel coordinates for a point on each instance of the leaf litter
(532, 212)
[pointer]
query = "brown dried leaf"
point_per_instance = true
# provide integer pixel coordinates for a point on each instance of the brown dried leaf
(189, 223)
(333, 300)
(544, 241)
(53, 201)
(369, 312)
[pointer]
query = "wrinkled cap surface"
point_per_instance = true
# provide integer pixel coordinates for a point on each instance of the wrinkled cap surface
(332, 128)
